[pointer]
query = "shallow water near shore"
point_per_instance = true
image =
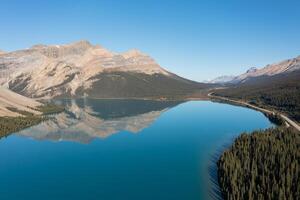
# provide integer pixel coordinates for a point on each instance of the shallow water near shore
(123, 149)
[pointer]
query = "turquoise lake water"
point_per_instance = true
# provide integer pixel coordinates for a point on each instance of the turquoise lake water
(121, 149)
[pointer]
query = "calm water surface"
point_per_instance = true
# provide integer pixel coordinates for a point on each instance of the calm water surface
(116, 150)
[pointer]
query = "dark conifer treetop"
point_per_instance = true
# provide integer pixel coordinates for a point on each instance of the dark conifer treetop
(262, 165)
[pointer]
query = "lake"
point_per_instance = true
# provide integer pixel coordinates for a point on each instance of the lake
(123, 149)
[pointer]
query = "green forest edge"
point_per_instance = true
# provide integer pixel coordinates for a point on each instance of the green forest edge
(10, 125)
(262, 165)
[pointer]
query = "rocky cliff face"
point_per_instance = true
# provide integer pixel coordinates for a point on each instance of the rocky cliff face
(73, 69)
(285, 66)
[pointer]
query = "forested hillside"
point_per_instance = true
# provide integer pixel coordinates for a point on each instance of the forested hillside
(262, 165)
(280, 92)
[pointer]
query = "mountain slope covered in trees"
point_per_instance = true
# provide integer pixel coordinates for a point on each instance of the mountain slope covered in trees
(280, 92)
(262, 165)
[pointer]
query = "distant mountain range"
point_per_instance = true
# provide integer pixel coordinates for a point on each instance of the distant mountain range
(284, 67)
(222, 79)
(81, 69)
(275, 86)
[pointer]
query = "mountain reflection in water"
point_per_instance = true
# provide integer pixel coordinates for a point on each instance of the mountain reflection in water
(86, 119)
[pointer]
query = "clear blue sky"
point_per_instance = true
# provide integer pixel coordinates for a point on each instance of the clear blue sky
(195, 39)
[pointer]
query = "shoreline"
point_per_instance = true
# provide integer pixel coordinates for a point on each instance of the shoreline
(13, 124)
(204, 97)
(209, 97)
(287, 120)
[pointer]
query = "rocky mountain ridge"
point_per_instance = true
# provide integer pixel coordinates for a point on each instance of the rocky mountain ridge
(286, 66)
(74, 70)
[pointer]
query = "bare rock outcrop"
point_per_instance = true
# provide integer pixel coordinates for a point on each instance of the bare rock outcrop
(48, 71)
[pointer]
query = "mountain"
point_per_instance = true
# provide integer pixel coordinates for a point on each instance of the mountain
(283, 67)
(10, 102)
(286, 66)
(222, 79)
(81, 69)
(275, 86)
(251, 70)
